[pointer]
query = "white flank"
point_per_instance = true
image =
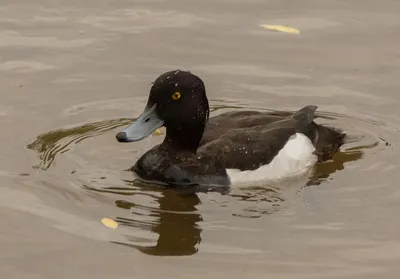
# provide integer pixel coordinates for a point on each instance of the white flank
(296, 158)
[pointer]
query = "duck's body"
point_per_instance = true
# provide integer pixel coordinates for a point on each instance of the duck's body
(232, 148)
(326, 140)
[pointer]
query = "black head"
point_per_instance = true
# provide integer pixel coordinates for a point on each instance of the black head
(180, 97)
(177, 101)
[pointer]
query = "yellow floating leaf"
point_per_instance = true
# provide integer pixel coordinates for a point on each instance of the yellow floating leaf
(157, 132)
(109, 223)
(281, 28)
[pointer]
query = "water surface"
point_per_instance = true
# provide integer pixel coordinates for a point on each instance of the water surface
(74, 72)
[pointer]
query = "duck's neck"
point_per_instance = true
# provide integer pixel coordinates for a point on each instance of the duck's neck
(185, 136)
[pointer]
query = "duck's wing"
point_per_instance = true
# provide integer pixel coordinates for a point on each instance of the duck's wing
(224, 123)
(250, 148)
(232, 120)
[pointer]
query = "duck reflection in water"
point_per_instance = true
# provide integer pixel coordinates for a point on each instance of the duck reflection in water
(176, 223)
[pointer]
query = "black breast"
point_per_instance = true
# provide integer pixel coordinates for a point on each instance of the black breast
(173, 167)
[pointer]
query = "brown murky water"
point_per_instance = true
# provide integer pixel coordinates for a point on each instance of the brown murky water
(73, 72)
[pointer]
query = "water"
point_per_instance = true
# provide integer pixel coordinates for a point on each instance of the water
(73, 73)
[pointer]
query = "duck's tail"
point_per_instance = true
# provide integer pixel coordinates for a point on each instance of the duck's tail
(327, 141)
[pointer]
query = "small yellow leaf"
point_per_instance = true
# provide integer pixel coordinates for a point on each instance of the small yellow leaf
(109, 223)
(281, 28)
(157, 132)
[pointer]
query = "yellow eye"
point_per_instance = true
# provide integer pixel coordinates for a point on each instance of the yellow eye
(176, 96)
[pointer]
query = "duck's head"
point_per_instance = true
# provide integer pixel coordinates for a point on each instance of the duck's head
(177, 101)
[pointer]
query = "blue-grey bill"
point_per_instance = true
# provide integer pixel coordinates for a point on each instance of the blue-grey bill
(143, 127)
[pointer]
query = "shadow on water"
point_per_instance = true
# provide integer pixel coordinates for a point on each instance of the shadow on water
(326, 169)
(173, 215)
(176, 222)
(51, 144)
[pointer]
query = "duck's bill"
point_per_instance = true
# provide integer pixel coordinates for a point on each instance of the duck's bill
(143, 127)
